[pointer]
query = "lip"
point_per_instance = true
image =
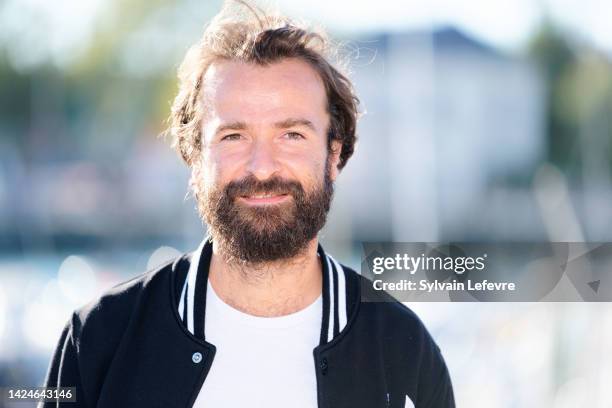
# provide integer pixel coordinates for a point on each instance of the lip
(273, 199)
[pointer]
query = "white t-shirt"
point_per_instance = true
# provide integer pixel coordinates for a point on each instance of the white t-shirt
(261, 362)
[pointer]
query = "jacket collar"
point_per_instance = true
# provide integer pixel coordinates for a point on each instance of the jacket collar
(336, 308)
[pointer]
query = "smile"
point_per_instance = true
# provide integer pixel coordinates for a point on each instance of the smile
(263, 199)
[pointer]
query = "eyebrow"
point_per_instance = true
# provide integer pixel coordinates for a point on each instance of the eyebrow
(231, 126)
(287, 123)
(283, 124)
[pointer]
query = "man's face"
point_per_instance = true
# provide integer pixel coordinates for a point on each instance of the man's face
(265, 180)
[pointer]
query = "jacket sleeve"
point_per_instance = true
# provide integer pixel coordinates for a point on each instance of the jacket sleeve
(64, 368)
(438, 389)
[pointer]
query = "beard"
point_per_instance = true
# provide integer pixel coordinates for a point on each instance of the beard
(254, 234)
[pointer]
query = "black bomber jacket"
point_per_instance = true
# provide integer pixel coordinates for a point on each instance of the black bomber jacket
(142, 344)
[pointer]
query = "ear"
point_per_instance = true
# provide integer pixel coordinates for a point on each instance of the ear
(336, 148)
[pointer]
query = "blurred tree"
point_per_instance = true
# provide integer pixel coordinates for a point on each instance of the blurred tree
(555, 55)
(90, 107)
(579, 112)
(586, 89)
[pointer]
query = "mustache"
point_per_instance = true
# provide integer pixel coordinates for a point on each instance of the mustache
(250, 185)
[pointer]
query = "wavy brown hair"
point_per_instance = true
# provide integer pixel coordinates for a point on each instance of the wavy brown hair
(242, 32)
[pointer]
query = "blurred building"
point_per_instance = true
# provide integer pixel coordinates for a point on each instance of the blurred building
(447, 118)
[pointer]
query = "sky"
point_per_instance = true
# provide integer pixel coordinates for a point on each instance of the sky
(35, 31)
(503, 23)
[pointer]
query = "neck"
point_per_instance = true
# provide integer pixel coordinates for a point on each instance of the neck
(269, 289)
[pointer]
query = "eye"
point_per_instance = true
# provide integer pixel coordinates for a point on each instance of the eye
(233, 136)
(294, 136)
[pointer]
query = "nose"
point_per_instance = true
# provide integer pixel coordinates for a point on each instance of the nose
(262, 161)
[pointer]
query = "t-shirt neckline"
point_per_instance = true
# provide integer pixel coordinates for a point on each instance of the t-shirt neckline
(215, 304)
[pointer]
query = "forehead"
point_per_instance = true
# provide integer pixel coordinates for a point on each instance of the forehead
(235, 90)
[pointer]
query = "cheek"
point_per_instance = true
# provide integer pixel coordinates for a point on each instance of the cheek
(219, 165)
(308, 169)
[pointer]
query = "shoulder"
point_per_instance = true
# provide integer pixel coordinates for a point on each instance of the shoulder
(401, 339)
(382, 319)
(96, 331)
(107, 315)
(380, 307)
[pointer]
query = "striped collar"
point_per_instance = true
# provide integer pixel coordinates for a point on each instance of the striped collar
(192, 303)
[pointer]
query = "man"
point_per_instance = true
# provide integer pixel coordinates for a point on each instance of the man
(259, 315)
